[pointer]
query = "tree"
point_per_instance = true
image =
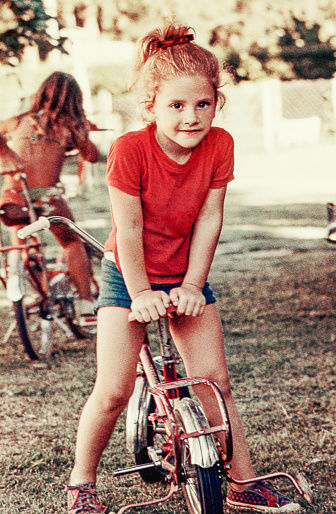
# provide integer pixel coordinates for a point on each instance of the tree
(24, 23)
(286, 40)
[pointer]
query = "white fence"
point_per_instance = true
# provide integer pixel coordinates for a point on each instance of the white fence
(271, 114)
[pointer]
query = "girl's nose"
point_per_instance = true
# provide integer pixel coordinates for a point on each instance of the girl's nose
(191, 116)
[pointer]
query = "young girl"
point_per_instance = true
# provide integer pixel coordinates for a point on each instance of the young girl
(167, 184)
(54, 124)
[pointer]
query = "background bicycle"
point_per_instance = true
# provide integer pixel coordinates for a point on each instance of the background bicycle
(39, 285)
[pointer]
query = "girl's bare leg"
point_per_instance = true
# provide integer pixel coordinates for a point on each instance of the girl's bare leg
(76, 256)
(200, 343)
(118, 347)
(79, 268)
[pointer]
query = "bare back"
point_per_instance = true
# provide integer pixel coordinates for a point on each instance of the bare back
(43, 151)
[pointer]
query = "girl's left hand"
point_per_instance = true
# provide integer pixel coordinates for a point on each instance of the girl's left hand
(188, 300)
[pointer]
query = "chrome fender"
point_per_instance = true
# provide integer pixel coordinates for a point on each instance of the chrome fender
(14, 288)
(138, 411)
(202, 448)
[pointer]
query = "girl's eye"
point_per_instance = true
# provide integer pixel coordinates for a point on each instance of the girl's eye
(203, 104)
(176, 105)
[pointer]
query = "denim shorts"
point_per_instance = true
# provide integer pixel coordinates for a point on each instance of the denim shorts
(113, 292)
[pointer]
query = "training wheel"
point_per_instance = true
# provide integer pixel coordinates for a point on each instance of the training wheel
(305, 487)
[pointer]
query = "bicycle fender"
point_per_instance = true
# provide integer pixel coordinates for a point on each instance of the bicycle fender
(13, 289)
(202, 448)
(137, 416)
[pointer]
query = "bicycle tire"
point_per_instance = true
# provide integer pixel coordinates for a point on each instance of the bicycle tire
(32, 320)
(202, 485)
(153, 475)
(64, 297)
(67, 305)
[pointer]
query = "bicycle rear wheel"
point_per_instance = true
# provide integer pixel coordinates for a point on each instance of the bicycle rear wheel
(41, 318)
(66, 298)
(68, 309)
(140, 431)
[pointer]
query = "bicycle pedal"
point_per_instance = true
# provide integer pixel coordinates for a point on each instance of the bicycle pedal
(153, 455)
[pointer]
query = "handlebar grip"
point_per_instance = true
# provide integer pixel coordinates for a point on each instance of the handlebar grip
(132, 319)
(40, 224)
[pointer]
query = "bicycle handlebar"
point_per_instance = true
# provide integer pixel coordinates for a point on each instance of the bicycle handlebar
(38, 225)
(132, 319)
(44, 223)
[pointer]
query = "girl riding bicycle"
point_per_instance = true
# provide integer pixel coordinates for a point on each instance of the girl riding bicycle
(54, 124)
(167, 184)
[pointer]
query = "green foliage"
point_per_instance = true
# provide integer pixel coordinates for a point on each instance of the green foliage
(286, 41)
(24, 23)
(311, 58)
(258, 38)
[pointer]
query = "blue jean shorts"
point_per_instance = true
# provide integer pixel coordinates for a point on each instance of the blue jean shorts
(113, 291)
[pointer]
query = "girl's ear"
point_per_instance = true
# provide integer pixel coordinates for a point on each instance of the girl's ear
(149, 112)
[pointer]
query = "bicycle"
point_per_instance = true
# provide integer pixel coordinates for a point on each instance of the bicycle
(190, 454)
(42, 293)
(331, 219)
(168, 432)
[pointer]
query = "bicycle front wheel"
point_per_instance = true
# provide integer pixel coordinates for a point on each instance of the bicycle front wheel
(31, 313)
(35, 332)
(202, 483)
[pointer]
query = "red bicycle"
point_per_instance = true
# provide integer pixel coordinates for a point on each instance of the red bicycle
(41, 290)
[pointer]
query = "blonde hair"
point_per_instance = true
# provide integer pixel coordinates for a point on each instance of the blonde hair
(157, 62)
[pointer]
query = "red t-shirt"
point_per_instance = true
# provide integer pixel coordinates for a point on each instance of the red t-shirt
(172, 194)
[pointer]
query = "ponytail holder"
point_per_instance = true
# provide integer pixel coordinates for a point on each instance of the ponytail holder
(175, 41)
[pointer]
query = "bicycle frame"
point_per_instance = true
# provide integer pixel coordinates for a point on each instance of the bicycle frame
(40, 282)
(163, 391)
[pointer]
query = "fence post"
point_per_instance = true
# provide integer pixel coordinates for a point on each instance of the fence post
(271, 111)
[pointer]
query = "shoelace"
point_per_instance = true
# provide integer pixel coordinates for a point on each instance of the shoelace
(87, 498)
(268, 485)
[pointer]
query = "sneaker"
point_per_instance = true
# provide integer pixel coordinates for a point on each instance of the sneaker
(83, 499)
(262, 496)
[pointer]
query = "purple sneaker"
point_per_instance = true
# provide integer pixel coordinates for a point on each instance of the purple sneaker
(262, 496)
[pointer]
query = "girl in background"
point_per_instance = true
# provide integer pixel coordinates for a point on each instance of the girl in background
(54, 124)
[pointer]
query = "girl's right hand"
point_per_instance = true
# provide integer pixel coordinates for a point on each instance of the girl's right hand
(150, 305)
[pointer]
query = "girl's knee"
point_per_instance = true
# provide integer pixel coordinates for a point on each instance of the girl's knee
(226, 389)
(114, 400)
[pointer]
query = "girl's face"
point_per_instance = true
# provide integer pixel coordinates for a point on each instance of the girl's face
(183, 110)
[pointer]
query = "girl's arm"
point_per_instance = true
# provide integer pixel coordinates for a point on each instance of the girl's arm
(147, 305)
(87, 149)
(7, 126)
(189, 298)
(9, 160)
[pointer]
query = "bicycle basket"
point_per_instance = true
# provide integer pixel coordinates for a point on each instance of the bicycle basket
(13, 208)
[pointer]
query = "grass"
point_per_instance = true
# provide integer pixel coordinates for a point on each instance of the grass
(277, 302)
